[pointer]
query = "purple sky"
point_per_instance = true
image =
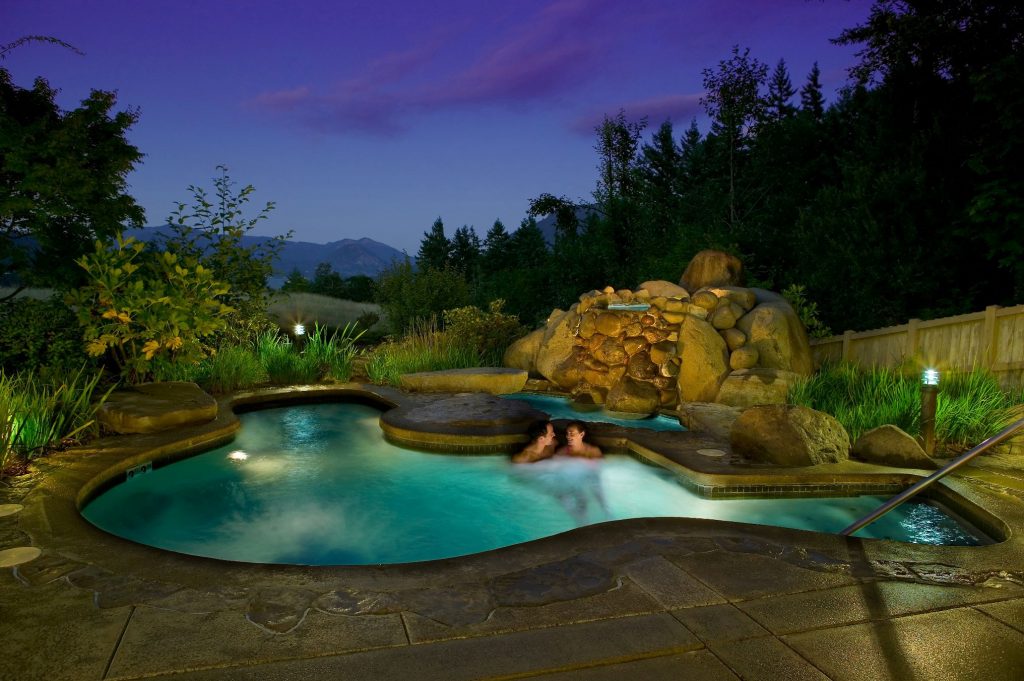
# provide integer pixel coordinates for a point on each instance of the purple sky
(373, 118)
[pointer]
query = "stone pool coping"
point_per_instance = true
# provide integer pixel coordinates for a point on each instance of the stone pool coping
(664, 577)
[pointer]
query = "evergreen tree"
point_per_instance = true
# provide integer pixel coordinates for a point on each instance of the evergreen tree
(812, 101)
(327, 282)
(497, 247)
(295, 283)
(465, 252)
(435, 249)
(780, 93)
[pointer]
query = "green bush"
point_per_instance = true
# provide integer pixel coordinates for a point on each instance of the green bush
(970, 405)
(332, 356)
(235, 367)
(424, 348)
(281, 362)
(807, 310)
(407, 295)
(36, 415)
(490, 333)
(40, 335)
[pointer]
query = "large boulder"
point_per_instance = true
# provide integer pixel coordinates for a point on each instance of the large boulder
(789, 435)
(522, 354)
(633, 396)
(558, 342)
(493, 380)
(889, 446)
(704, 361)
(750, 387)
(712, 268)
(665, 289)
(708, 418)
(774, 329)
(152, 407)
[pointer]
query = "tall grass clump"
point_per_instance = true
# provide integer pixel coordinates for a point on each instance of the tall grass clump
(423, 348)
(37, 415)
(330, 357)
(283, 364)
(235, 367)
(970, 405)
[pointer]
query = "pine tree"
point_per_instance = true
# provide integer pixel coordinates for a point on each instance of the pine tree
(811, 99)
(497, 247)
(465, 252)
(435, 249)
(780, 93)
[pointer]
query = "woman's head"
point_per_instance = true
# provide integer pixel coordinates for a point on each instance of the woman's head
(575, 431)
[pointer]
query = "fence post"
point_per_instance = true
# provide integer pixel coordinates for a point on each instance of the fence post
(847, 337)
(988, 338)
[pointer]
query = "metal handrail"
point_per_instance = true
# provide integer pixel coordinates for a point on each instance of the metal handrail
(934, 477)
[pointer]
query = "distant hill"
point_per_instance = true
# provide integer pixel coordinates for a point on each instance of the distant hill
(347, 257)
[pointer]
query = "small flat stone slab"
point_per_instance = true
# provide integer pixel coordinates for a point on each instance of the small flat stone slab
(18, 555)
(493, 380)
(152, 407)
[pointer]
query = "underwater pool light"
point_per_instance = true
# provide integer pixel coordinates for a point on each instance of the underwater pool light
(238, 455)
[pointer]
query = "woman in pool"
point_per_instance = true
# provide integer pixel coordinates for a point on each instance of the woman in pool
(574, 444)
(541, 444)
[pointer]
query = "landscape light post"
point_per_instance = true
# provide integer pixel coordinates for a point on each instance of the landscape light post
(929, 394)
(299, 330)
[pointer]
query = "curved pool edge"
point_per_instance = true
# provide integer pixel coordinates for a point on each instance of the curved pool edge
(52, 520)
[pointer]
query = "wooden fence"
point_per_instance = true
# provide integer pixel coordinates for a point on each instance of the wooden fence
(992, 340)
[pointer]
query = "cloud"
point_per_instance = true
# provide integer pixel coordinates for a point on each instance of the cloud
(544, 54)
(675, 108)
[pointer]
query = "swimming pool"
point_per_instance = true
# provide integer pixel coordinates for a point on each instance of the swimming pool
(317, 484)
(563, 408)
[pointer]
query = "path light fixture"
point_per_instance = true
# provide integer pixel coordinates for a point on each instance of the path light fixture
(929, 394)
(299, 331)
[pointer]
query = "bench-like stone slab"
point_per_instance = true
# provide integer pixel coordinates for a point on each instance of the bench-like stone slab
(493, 380)
(151, 407)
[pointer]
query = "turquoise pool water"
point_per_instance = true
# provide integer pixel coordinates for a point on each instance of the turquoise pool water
(319, 485)
(562, 408)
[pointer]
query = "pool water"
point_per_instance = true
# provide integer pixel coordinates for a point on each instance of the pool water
(563, 408)
(319, 485)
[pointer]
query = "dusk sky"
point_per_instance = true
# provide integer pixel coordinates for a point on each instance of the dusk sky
(374, 118)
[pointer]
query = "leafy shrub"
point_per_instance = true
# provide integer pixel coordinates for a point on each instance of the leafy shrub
(408, 295)
(40, 335)
(490, 333)
(807, 310)
(424, 348)
(36, 415)
(139, 305)
(970, 406)
(233, 368)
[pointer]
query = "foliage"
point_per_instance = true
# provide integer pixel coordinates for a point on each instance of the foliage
(970, 406)
(234, 367)
(407, 295)
(137, 306)
(434, 249)
(40, 335)
(311, 309)
(212, 231)
(64, 178)
(423, 348)
(326, 282)
(332, 355)
(807, 310)
(283, 364)
(489, 332)
(36, 415)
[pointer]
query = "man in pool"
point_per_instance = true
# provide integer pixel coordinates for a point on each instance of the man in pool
(574, 444)
(541, 444)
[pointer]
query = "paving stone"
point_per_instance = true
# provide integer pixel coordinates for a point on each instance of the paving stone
(163, 641)
(700, 665)
(870, 601)
(951, 645)
(627, 599)
(45, 569)
(670, 585)
(1010, 612)
(720, 623)
(740, 576)
(54, 632)
(520, 653)
(765, 659)
(279, 610)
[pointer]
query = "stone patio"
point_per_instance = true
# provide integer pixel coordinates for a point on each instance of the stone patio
(646, 599)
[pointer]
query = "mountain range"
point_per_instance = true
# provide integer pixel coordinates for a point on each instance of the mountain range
(347, 257)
